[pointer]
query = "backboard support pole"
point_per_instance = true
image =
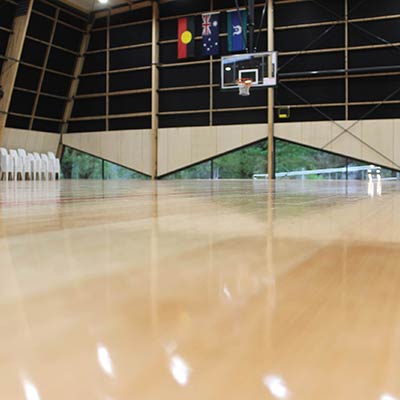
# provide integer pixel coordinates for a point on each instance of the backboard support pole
(271, 95)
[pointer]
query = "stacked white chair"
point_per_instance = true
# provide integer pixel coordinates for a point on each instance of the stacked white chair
(28, 166)
(35, 167)
(48, 166)
(55, 162)
(42, 166)
(26, 163)
(18, 165)
(6, 164)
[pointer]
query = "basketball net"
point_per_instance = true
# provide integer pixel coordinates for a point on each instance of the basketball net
(244, 86)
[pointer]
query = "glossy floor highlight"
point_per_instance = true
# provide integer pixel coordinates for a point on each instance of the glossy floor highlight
(199, 290)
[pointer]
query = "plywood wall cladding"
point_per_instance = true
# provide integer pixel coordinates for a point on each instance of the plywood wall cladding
(131, 148)
(32, 141)
(180, 147)
(373, 141)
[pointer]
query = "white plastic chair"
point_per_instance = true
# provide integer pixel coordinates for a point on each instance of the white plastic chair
(6, 164)
(55, 165)
(42, 166)
(35, 167)
(48, 166)
(18, 165)
(26, 164)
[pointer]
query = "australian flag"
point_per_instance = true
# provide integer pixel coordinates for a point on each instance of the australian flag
(210, 34)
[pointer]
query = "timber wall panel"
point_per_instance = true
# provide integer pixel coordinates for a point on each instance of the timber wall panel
(129, 148)
(374, 141)
(31, 141)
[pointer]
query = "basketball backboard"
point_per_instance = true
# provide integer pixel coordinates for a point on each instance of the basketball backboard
(252, 66)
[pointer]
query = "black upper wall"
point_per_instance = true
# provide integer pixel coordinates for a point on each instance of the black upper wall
(121, 98)
(47, 65)
(310, 37)
(7, 12)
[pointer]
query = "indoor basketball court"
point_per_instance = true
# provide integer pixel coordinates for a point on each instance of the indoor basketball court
(199, 199)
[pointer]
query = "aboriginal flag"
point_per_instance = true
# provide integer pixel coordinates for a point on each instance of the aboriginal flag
(186, 35)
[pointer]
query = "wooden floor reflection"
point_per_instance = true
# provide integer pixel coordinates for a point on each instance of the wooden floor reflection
(199, 290)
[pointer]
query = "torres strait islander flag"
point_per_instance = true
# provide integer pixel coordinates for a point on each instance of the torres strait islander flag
(186, 35)
(237, 30)
(210, 34)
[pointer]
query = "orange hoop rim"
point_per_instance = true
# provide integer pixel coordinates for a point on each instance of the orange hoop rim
(245, 82)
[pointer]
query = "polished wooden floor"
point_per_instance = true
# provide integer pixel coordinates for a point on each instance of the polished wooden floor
(199, 290)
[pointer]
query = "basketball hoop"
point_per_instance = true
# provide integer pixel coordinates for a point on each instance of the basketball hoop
(244, 86)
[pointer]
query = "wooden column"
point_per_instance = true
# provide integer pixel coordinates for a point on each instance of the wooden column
(271, 95)
(74, 85)
(154, 88)
(211, 92)
(346, 57)
(211, 81)
(108, 73)
(13, 55)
